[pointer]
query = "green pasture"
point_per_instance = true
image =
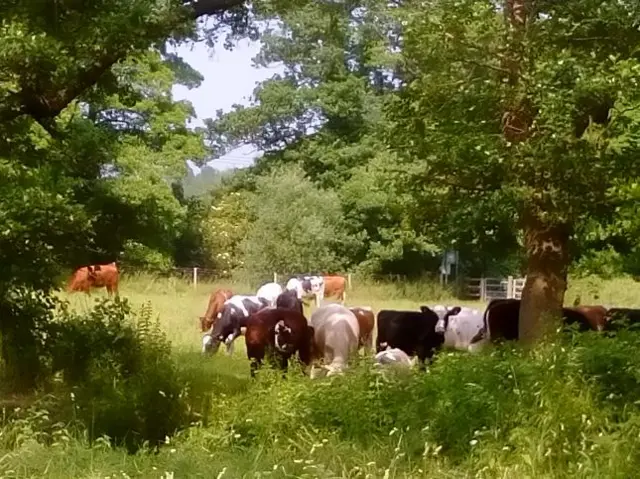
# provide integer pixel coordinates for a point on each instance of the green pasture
(568, 409)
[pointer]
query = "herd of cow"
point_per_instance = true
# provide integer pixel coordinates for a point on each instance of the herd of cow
(274, 324)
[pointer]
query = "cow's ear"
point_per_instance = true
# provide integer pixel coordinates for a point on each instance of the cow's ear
(425, 309)
(454, 311)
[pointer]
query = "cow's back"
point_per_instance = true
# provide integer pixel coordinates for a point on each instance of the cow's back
(336, 331)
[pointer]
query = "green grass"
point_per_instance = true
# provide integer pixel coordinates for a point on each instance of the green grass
(562, 410)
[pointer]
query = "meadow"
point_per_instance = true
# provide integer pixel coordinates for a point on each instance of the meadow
(564, 409)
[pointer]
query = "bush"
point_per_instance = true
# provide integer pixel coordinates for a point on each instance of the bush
(119, 368)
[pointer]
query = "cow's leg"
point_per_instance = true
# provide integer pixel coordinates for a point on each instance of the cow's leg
(255, 355)
(254, 366)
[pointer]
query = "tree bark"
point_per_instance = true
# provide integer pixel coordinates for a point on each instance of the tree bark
(547, 264)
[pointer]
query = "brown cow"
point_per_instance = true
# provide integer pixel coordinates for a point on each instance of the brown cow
(596, 316)
(280, 333)
(366, 321)
(335, 286)
(215, 306)
(95, 276)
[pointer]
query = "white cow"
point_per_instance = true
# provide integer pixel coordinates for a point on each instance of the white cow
(270, 292)
(460, 325)
(336, 337)
(307, 286)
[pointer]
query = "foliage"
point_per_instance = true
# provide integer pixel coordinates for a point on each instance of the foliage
(297, 227)
(448, 120)
(225, 226)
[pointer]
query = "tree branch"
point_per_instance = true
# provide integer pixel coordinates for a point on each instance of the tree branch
(211, 7)
(44, 103)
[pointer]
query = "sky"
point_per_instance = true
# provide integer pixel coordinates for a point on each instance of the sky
(229, 78)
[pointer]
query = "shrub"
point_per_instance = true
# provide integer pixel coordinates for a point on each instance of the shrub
(118, 365)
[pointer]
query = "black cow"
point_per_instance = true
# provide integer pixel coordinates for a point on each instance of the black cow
(411, 331)
(234, 316)
(289, 300)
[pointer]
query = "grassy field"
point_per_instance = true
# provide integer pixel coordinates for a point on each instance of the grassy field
(504, 413)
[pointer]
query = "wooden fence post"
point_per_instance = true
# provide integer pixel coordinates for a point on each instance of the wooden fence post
(511, 291)
(275, 277)
(483, 289)
(349, 280)
(195, 278)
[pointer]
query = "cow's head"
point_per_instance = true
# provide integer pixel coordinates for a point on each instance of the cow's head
(443, 322)
(209, 345)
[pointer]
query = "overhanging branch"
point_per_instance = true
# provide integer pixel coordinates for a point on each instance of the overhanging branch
(43, 103)
(211, 7)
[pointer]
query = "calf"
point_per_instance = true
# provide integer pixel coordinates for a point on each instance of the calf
(289, 300)
(412, 331)
(95, 276)
(234, 316)
(336, 336)
(393, 356)
(335, 286)
(279, 333)
(214, 308)
(461, 327)
(270, 292)
(307, 286)
(366, 322)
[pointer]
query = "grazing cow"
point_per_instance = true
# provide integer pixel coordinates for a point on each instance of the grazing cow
(617, 317)
(366, 322)
(502, 315)
(307, 286)
(335, 286)
(270, 292)
(279, 333)
(234, 316)
(461, 326)
(95, 276)
(289, 300)
(393, 356)
(336, 336)
(595, 316)
(412, 331)
(214, 308)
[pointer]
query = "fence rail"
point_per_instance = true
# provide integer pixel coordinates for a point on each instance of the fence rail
(483, 289)
(486, 289)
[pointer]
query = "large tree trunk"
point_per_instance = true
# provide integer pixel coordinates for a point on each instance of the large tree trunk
(546, 243)
(547, 264)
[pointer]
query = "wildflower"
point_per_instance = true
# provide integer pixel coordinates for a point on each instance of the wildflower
(473, 442)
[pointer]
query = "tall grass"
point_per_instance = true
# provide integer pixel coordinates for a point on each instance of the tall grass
(567, 409)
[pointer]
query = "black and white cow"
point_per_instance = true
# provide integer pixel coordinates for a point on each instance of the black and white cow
(307, 286)
(233, 317)
(411, 331)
